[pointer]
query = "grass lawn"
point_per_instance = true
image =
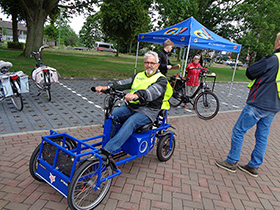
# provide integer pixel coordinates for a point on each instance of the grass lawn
(92, 64)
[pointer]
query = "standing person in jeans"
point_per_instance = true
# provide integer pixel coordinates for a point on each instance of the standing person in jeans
(164, 60)
(262, 105)
(149, 88)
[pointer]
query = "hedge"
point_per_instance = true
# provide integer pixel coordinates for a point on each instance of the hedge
(15, 45)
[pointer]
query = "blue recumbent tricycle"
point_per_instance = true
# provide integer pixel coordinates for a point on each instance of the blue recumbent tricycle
(76, 168)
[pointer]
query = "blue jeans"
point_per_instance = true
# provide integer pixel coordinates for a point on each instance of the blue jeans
(130, 121)
(250, 116)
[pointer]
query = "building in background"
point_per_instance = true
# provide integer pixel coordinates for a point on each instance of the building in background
(22, 31)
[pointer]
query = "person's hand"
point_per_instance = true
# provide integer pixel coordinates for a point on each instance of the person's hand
(169, 67)
(130, 97)
(99, 88)
(176, 66)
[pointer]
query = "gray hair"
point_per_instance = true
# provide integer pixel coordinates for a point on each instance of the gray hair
(196, 56)
(151, 53)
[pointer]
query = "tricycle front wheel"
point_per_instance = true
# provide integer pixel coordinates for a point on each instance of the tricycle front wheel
(83, 192)
(164, 152)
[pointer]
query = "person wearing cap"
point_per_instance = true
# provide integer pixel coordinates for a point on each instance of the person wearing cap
(165, 64)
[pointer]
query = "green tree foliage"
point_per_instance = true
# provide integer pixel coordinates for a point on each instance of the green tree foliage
(69, 36)
(213, 14)
(90, 31)
(259, 24)
(52, 32)
(124, 19)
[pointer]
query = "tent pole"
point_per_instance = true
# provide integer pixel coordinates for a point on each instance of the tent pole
(136, 58)
(186, 60)
(233, 74)
(182, 60)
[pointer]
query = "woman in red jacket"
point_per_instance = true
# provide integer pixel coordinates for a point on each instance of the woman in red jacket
(193, 69)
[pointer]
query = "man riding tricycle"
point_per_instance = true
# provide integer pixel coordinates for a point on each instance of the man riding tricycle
(82, 170)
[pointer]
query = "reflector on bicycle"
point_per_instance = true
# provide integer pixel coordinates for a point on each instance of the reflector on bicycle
(45, 69)
(14, 77)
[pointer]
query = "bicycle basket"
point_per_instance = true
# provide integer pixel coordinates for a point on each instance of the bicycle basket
(176, 84)
(64, 161)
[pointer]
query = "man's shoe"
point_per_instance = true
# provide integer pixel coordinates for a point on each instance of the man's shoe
(106, 156)
(249, 170)
(231, 167)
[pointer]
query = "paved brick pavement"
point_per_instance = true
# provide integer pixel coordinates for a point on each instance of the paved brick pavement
(189, 180)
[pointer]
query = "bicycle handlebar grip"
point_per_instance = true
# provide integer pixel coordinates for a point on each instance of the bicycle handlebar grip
(31, 54)
(135, 99)
(103, 91)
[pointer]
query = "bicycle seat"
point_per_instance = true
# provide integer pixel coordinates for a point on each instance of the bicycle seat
(149, 126)
(144, 128)
(5, 64)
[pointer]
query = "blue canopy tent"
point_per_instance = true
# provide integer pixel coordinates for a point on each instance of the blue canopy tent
(190, 34)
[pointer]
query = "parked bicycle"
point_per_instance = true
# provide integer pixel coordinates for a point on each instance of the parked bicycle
(12, 84)
(204, 101)
(43, 75)
(76, 169)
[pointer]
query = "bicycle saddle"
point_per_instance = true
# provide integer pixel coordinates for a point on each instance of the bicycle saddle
(5, 64)
(150, 125)
(144, 128)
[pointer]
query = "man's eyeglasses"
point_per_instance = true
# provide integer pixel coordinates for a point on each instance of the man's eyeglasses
(150, 63)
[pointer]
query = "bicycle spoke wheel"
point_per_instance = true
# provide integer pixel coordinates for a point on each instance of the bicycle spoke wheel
(163, 152)
(83, 192)
(48, 90)
(206, 105)
(176, 98)
(48, 86)
(16, 98)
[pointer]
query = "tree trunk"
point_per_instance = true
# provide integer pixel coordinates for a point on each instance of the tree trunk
(15, 27)
(35, 13)
(35, 34)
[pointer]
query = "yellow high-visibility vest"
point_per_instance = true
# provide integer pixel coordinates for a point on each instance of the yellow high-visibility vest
(277, 79)
(142, 82)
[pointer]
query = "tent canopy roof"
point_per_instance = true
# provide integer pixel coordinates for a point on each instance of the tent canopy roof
(190, 32)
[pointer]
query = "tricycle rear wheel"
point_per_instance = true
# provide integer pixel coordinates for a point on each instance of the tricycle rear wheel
(83, 194)
(163, 152)
(33, 164)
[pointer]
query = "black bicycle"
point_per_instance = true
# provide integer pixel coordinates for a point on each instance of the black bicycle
(204, 101)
